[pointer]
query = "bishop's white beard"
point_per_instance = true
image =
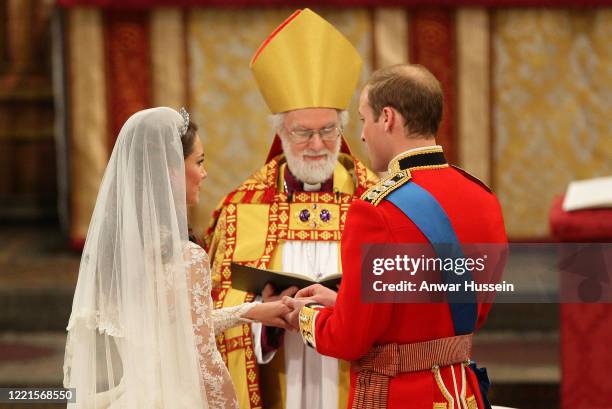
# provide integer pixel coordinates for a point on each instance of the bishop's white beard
(311, 172)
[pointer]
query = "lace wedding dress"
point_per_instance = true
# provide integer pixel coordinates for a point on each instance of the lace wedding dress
(214, 377)
(141, 333)
(217, 383)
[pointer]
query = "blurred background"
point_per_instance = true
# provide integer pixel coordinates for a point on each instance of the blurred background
(528, 108)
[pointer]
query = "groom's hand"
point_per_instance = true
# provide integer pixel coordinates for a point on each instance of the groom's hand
(319, 294)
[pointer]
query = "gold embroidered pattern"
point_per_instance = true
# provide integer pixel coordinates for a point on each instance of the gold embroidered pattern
(471, 402)
(365, 178)
(308, 318)
(263, 178)
(251, 361)
(230, 244)
(382, 189)
(256, 190)
(234, 343)
(274, 223)
(280, 226)
(245, 342)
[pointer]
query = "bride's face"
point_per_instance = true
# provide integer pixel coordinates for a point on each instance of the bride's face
(194, 172)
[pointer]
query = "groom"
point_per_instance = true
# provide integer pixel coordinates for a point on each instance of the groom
(413, 352)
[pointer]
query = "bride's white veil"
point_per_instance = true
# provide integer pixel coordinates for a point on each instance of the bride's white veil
(130, 338)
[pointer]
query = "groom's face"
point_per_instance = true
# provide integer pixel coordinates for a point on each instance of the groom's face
(372, 133)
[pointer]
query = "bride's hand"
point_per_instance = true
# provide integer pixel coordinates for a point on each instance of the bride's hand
(270, 314)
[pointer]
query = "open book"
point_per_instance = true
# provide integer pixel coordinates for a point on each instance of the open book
(253, 279)
(588, 194)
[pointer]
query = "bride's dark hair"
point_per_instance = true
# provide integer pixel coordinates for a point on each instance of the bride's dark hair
(187, 141)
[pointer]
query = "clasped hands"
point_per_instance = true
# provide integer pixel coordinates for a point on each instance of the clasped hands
(283, 310)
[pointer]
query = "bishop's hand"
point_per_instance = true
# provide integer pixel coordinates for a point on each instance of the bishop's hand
(268, 294)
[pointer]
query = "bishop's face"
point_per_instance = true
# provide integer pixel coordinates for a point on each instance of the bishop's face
(311, 142)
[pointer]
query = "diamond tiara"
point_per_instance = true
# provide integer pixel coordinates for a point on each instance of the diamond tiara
(185, 116)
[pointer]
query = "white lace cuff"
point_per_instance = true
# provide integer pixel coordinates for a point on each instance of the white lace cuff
(229, 317)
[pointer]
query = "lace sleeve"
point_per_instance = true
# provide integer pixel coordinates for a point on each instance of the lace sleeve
(214, 377)
(228, 317)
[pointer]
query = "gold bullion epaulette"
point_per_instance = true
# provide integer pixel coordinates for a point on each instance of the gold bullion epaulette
(388, 184)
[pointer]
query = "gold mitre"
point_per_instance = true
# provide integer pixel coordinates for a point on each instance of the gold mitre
(306, 63)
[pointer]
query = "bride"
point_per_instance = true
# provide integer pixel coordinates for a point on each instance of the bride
(142, 329)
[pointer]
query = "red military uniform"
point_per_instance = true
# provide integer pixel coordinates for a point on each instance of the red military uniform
(351, 328)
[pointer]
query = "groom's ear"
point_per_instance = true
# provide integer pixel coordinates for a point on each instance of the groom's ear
(389, 117)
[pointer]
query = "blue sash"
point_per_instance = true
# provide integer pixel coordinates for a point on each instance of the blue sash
(427, 214)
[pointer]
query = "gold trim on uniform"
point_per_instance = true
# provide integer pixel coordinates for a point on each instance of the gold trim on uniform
(471, 402)
(395, 167)
(442, 387)
(382, 189)
(429, 167)
(308, 318)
